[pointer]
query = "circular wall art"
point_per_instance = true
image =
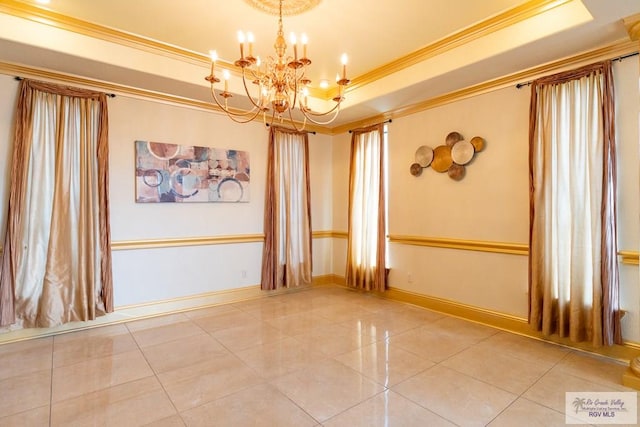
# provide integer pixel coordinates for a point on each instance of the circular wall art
(424, 156)
(456, 172)
(452, 138)
(163, 151)
(462, 152)
(478, 143)
(441, 158)
(453, 157)
(230, 189)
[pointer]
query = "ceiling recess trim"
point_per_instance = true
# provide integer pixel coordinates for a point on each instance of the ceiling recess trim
(614, 50)
(48, 17)
(484, 28)
(632, 23)
(500, 21)
(618, 49)
(47, 75)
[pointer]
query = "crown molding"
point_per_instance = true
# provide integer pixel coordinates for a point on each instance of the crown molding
(632, 23)
(512, 16)
(617, 49)
(484, 28)
(42, 74)
(42, 15)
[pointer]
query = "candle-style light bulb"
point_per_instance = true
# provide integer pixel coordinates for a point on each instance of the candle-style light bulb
(214, 57)
(344, 60)
(304, 40)
(294, 41)
(250, 39)
(226, 75)
(241, 41)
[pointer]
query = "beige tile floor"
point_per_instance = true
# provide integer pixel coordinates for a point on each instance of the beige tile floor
(318, 357)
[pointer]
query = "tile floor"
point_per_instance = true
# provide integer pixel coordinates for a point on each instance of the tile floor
(318, 357)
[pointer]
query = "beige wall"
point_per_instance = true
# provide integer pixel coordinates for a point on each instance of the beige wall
(148, 275)
(489, 204)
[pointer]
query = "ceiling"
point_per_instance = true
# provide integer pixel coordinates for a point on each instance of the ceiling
(401, 52)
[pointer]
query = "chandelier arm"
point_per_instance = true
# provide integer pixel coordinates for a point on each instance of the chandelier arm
(317, 122)
(293, 123)
(247, 120)
(253, 113)
(281, 83)
(295, 90)
(225, 108)
(309, 112)
(256, 74)
(246, 89)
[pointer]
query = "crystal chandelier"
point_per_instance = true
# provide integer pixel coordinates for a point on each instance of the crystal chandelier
(277, 85)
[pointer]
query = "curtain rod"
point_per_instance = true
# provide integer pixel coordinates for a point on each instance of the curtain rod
(110, 95)
(386, 121)
(307, 131)
(619, 58)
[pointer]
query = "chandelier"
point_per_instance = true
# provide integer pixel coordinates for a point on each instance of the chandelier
(275, 86)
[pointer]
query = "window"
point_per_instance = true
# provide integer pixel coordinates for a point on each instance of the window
(366, 247)
(573, 272)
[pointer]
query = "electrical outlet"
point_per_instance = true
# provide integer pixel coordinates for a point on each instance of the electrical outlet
(244, 274)
(409, 278)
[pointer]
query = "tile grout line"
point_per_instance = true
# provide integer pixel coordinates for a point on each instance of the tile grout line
(421, 323)
(521, 395)
(155, 374)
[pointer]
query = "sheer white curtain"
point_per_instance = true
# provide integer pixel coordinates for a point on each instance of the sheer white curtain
(366, 267)
(287, 256)
(56, 267)
(573, 270)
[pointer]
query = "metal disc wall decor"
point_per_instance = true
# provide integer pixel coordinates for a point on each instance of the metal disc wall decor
(453, 157)
(478, 143)
(441, 158)
(424, 156)
(456, 172)
(462, 152)
(452, 138)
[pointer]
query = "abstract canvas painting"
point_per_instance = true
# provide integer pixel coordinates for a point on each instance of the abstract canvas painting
(186, 173)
